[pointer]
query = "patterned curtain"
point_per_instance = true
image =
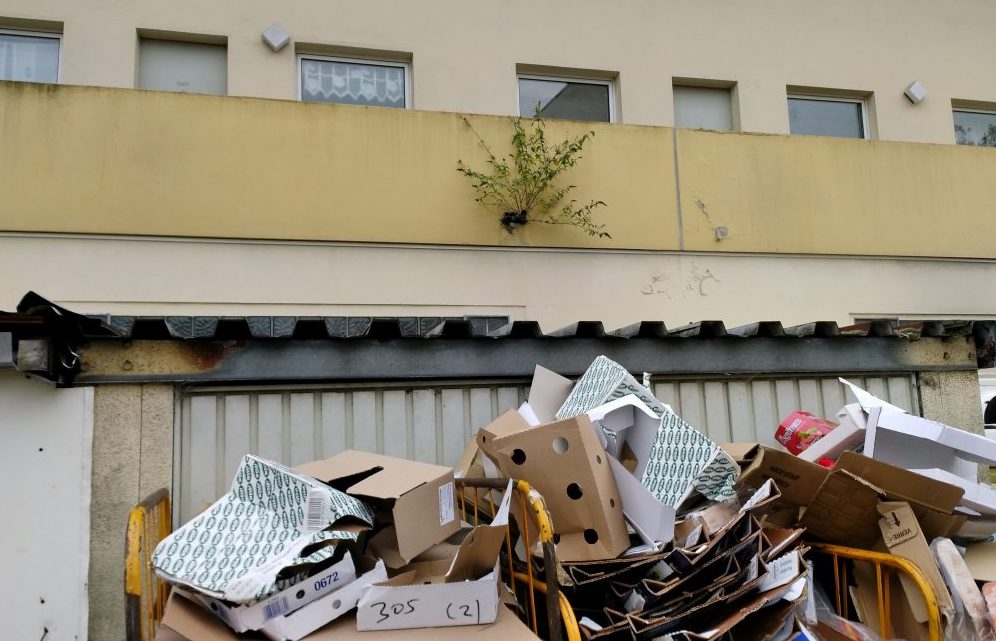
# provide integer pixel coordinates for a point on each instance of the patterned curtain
(352, 83)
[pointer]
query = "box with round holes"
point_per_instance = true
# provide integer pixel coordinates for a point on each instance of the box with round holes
(567, 464)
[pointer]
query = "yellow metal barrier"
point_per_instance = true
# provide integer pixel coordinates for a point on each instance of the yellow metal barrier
(145, 594)
(882, 563)
(560, 617)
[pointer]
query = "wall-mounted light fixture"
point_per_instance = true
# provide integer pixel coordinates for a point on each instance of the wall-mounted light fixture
(916, 92)
(276, 37)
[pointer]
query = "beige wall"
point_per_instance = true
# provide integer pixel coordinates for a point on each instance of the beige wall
(465, 54)
(85, 160)
(555, 287)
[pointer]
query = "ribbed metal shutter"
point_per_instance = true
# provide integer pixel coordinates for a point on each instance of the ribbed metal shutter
(216, 427)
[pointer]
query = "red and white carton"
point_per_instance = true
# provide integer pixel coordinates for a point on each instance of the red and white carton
(799, 430)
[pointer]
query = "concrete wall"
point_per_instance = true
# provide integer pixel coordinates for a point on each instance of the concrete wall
(132, 457)
(131, 162)
(555, 287)
(464, 55)
(45, 456)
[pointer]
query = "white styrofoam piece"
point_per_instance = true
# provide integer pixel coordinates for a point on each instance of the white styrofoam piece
(330, 607)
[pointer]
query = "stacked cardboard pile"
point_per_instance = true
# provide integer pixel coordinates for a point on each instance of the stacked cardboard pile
(659, 531)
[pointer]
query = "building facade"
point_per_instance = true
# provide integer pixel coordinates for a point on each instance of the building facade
(777, 160)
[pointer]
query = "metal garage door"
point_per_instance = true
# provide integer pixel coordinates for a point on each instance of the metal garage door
(216, 427)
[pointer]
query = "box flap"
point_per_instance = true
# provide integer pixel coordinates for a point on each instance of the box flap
(981, 560)
(844, 511)
(868, 401)
(547, 393)
(740, 452)
(395, 477)
(652, 520)
(902, 485)
(479, 550)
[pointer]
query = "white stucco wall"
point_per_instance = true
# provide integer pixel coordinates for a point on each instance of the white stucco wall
(44, 544)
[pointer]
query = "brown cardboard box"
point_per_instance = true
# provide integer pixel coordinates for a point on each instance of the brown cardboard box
(416, 494)
(186, 621)
(844, 511)
(567, 464)
(797, 480)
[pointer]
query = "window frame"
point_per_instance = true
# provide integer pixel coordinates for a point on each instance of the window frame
(585, 80)
(404, 66)
(863, 102)
(971, 110)
(41, 34)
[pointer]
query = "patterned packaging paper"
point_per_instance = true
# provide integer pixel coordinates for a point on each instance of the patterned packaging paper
(683, 459)
(237, 547)
(604, 381)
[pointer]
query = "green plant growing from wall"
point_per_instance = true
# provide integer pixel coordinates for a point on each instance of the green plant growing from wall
(520, 186)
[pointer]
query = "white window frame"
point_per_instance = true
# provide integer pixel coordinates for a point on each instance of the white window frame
(988, 112)
(865, 130)
(575, 79)
(404, 66)
(41, 34)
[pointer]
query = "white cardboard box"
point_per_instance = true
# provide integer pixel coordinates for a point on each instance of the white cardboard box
(849, 433)
(242, 618)
(442, 593)
(331, 606)
(978, 497)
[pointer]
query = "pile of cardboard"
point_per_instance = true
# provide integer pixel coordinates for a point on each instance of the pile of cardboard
(659, 532)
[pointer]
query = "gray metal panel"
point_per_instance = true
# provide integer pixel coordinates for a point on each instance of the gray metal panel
(431, 423)
(737, 410)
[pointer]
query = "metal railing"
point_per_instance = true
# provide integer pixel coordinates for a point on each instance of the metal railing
(145, 594)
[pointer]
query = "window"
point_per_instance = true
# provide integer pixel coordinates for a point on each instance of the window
(353, 82)
(822, 116)
(703, 108)
(29, 56)
(975, 127)
(194, 67)
(566, 98)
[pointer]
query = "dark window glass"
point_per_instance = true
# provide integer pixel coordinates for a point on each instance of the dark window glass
(564, 99)
(974, 128)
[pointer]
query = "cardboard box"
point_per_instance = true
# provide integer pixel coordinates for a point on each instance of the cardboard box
(798, 481)
(463, 590)
(547, 394)
(300, 623)
(800, 430)
(294, 597)
(848, 435)
(260, 527)
(912, 442)
(186, 621)
(903, 537)
(843, 511)
(566, 463)
(604, 381)
(419, 498)
(980, 498)
(981, 560)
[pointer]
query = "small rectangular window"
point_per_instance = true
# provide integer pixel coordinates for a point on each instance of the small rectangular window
(565, 98)
(703, 108)
(190, 67)
(823, 116)
(29, 56)
(975, 127)
(353, 82)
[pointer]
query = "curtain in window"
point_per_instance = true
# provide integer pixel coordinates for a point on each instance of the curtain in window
(352, 83)
(29, 58)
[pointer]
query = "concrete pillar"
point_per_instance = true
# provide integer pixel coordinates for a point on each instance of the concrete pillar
(952, 398)
(132, 457)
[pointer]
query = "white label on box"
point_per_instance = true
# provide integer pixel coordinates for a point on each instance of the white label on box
(781, 571)
(446, 503)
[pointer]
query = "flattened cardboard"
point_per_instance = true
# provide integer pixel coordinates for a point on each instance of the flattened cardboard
(463, 590)
(416, 490)
(261, 526)
(843, 511)
(563, 460)
(902, 485)
(902, 536)
(185, 621)
(299, 594)
(302, 622)
(981, 560)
